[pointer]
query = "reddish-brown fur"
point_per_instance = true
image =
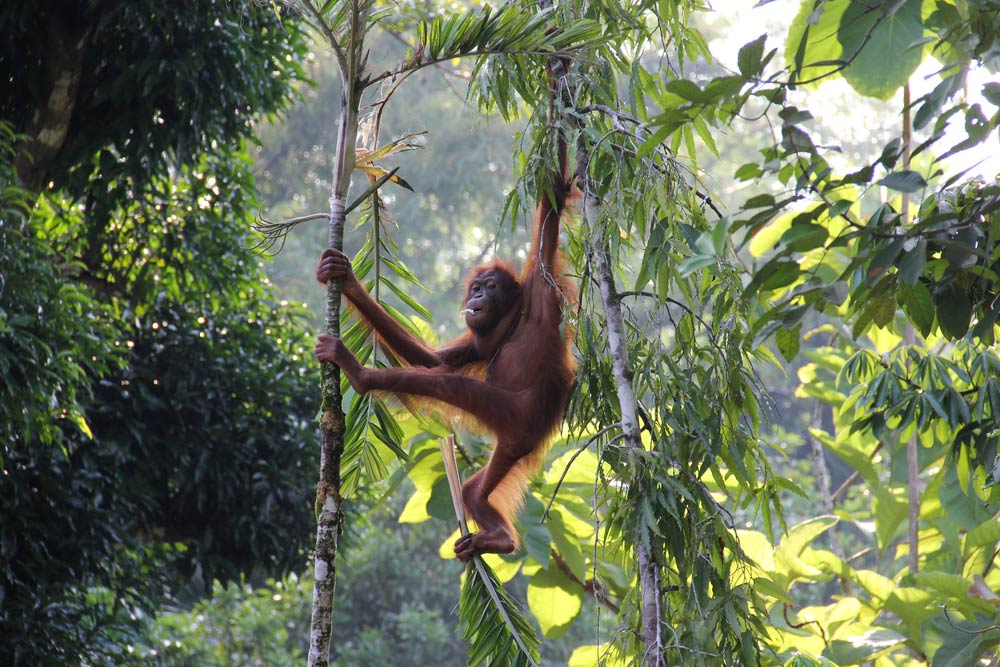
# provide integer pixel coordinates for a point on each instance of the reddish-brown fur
(512, 373)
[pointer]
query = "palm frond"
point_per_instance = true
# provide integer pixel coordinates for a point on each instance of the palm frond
(492, 622)
(485, 31)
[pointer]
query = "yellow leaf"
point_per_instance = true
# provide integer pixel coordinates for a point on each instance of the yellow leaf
(81, 423)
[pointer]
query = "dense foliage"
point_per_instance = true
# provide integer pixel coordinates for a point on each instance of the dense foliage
(155, 404)
(134, 86)
(882, 272)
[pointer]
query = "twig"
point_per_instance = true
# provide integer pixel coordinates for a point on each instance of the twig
(980, 631)
(324, 27)
(576, 455)
(593, 586)
(797, 626)
(445, 71)
(275, 232)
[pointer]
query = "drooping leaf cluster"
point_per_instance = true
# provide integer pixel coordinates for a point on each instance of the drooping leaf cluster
(882, 273)
(899, 241)
(485, 622)
(699, 404)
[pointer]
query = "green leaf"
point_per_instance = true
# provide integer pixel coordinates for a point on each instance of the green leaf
(803, 534)
(890, 509)
(952, 585)
(750, 57)
(849, 448)
(536, 536)
(884, 259)
(439, 504)
(786, 272)
(555, 600)
(415, 510)
(917, 304)
(881, 45)
(720, 236)
(748, 172)
(840, 207)
(961, 251)
(759, 201)
(568, 545)
(934, 100)
(954, 310)
(812, 49)
(906, 181)
(606, 655)
(882, 309)
(913, 605)
(687, 90)
(985, 534)
(991, 91)
(787, 341)
(911, 266)
(863, 648)
(802, 237)
(696, 263)
(81, 423)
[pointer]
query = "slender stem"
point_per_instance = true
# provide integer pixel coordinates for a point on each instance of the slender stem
(823, 481)
(648, 569)
(328, 497)
(611, 301)
(331, 38)
(909, 337)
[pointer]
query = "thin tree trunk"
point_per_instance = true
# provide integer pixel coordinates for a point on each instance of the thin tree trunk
(825, 485)
(649, 588)
(909, 338)
(328, 496)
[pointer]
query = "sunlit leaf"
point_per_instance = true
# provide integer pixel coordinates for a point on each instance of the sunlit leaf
(881, 46)
(555, 600)
(787, 341)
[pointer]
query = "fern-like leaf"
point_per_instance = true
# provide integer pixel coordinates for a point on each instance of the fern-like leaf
(498, 633)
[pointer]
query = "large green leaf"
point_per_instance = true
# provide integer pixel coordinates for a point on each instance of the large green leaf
(568, 546)
(918, 305)
(954, 310)
(787, 341)
(883, 45)
(811, 50)
(803, 534)
(890, 512)
(555, 600)
(907, 181)
(535, 533)
(864, 648)
(877, 47)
